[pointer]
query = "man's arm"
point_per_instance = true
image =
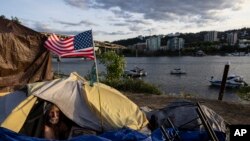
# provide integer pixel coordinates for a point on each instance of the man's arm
(49, 133)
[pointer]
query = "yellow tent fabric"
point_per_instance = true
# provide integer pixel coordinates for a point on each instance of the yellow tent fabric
(114, 107)
(4, 93)
(17, 117)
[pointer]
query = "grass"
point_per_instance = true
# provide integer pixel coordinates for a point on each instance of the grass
(244, 93)
(126, 84)
(134, 86)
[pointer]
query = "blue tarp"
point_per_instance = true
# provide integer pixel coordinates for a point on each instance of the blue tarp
(7, 135)
(125, 135)
(186, 135)
(119, 135)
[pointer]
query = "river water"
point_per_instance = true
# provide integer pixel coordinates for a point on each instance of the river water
(195, 82)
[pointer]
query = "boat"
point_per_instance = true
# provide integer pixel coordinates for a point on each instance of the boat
(135, 72)
(200, 53)
(233, 81)
(177, 71)
(140, 71)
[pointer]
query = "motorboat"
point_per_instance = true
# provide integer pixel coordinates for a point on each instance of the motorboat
(233, 81)
(177, 71)
(140, 71)
(135, 72)
(200, 53)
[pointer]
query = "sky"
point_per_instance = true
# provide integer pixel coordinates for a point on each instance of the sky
(112, 20)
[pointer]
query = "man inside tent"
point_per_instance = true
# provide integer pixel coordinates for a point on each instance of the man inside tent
(55, 126)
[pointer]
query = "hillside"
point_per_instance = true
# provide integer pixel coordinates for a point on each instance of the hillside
(188, 37)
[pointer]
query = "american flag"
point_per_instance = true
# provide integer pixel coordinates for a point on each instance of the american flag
(80, 45)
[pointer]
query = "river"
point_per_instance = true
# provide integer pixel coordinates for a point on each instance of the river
(195, 82)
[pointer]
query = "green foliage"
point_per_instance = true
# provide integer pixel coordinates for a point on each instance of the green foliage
(130, 41)
(114, 64)
(133, 85)
(2, 17)
(193, 43)
(244, 93)
(16, 20)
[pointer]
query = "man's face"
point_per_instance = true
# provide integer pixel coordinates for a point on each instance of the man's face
(54, 115)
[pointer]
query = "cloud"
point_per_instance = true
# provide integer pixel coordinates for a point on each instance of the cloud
(138, 21)
(86, 23)
(120, 24)
(41, 27)
(46, 28)
(132, 22)
(82, 4)
(198, 12)
(136, 28)
(169, 10)
(122, 14)
(111, 33)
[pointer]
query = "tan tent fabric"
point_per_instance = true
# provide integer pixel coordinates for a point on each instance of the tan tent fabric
(116, 108)
(4, 93)
(67, 94)
(23, 59)
(18, 116)
(81, 104)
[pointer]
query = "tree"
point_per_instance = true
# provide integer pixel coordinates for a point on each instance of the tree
(114, 64)
(2, 17)
(16, 20)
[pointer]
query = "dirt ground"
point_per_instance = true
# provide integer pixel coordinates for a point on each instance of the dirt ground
(233, 113)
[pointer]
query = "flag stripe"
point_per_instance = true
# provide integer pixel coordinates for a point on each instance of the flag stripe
(87, 53)
(54, 50)
(80, 45)
(62, 43)
(57, 43)
(52, 45)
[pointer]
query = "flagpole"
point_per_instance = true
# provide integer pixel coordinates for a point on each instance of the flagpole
(58, 64)
(96, 71)
(97, 78)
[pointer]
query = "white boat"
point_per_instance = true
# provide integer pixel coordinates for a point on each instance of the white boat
(233, 81)
(140, 71)
(200, 53)
(136, 72)
(178, 71)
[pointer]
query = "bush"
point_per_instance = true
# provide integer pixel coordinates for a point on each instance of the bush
(114, 65)
(244, 93)
(133, 85)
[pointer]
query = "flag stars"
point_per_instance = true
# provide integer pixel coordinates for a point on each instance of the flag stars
(83, 40)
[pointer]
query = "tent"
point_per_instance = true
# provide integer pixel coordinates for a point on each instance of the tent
(184, 116)
(23, 59)
(126, 134)
(100, 108)
(9, 102)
